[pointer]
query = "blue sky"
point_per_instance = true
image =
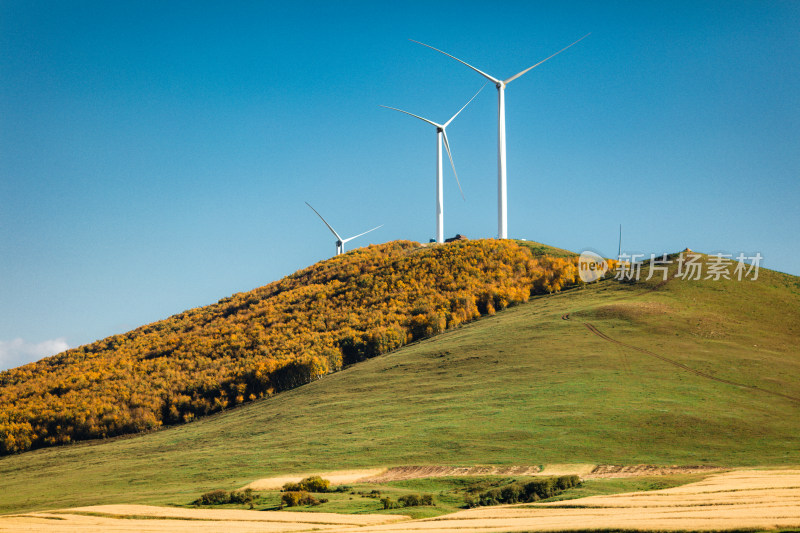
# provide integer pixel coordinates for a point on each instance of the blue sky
(155, 156)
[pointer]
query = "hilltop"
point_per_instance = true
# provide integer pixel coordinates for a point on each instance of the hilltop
(662, 373)
(254, 344)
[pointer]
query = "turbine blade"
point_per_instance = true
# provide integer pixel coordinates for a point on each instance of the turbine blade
(325, 221)
(447, 147)
(360, 234)
(462, 109)
(482, 73)
(413, 115)
(515, 76)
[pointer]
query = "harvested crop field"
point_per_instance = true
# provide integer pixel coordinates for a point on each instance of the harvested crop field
(743, 499)
(147, 518)
(754, 499)
(338, 477)
(609, 471)
(399, 473)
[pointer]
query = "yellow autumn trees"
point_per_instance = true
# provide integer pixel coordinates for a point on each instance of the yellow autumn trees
(340, 311)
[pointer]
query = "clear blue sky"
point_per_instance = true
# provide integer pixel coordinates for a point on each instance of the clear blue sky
(155, 156)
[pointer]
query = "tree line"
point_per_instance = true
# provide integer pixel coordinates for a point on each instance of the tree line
(254, 344)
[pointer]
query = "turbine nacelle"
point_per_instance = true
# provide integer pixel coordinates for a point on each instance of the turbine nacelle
(502, 208)
(441, 137)
(339, 241)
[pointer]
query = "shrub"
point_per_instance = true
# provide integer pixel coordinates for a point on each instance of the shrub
(513, 493)
(532, 491)
(294, 498)
(409, 500)
(567, 482)
(241, 496)
(388, 503)
(315, 484)
(491, 497)
(309, 484)
(414, 500)
(214, 497)
(221, 497)
(541, 488)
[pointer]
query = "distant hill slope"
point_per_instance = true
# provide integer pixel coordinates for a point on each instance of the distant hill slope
(340, 311)
(675, 373)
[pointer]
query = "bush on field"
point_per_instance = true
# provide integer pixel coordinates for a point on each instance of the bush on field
(538, 489)
(388, 503)
(242, 496)
(294, 498)
(221, 497)
(214, 497)
(414, 500)
(309, 484)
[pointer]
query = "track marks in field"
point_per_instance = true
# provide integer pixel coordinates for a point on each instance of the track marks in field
(682, 366)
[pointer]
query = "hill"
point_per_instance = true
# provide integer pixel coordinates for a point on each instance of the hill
(665, 373)
(254, 344)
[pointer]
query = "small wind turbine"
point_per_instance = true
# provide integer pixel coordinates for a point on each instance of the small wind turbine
(502, 195)
(339, 241)
(441, 135)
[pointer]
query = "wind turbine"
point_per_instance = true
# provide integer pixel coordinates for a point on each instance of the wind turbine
(502, 195)
(441, 135)
(339, 241)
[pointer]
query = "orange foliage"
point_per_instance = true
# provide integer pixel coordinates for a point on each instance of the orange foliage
(340, 311)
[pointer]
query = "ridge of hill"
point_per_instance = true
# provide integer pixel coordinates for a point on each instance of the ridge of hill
(337, 312)
(532, 385)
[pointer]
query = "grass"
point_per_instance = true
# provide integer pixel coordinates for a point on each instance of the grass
(521, 387)
(543, 249)
(607, 486)
(449, 494)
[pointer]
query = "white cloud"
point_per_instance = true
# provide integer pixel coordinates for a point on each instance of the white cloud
(19, 352)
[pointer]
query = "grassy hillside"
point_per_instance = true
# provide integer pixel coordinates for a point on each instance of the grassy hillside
(340, 311)
(708, 374)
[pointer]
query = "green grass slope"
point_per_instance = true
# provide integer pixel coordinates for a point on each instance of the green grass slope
(336, 312)
(682, 372)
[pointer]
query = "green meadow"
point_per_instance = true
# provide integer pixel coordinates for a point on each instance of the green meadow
(708, 373)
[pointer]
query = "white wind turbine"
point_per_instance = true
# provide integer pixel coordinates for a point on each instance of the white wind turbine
(441, 135)
(502, 196)
(339, 241)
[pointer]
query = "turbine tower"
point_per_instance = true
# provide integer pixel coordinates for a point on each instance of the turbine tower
(502, 194)
(339, 241)
(441, 135)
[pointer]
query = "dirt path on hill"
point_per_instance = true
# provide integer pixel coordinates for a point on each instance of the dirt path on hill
(594, 330)
(617, 471)
(337, 477)
(682, 366)
(401, 473)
